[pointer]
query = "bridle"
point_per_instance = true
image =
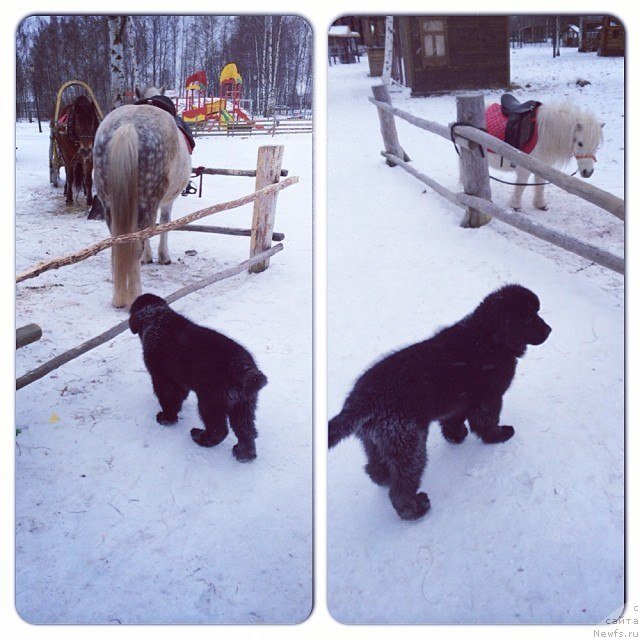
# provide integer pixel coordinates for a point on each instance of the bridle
(582, 156)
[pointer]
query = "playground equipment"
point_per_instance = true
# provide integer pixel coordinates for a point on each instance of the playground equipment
(224, 111)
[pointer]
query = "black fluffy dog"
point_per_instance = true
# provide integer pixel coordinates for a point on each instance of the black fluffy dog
(457, 376)
(181, 357)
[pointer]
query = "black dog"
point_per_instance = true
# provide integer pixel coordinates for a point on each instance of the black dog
(181, 357)
(457, 376)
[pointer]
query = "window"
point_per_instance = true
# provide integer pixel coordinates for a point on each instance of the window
(434, 41)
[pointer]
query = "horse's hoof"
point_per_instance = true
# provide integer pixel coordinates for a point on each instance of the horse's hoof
(544, 207)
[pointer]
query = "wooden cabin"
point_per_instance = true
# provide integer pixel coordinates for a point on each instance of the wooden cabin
(611, 37)
(569, 36)
(343, 44)
(448, 53)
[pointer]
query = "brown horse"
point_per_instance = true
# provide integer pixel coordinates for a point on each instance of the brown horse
(75, 130)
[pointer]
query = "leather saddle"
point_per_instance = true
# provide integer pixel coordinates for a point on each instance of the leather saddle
(521, 120)
(166, 104)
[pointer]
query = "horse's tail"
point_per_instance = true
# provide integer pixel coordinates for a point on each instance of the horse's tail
(122, 177)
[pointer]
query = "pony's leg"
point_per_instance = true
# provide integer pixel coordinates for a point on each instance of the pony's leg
(163, 248)
(522, 176)
(539, 201)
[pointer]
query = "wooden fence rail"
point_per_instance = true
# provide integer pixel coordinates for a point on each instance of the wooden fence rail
(152, 231)
(517, 220)
(111, 333)
(477, 193)
(599, 197)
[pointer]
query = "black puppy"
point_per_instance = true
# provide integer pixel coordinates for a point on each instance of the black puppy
(182, 356)
(457, 376)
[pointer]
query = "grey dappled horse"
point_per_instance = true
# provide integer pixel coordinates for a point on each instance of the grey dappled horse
(141, 164)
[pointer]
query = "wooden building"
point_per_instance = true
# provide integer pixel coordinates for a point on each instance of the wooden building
(446, 53)
(612, 37)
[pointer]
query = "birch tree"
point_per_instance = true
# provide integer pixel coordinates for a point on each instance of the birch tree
(117, 27)
(388, 50)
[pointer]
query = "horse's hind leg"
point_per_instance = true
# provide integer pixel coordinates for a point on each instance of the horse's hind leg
(147, 253)
(163, 249)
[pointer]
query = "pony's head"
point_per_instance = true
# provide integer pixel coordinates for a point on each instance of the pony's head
(587, 138)
(566, 131)
(149, 92)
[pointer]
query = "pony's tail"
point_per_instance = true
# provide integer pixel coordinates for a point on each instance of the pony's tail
(122, 176)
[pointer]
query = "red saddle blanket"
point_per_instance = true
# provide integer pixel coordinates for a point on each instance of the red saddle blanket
(497, 124)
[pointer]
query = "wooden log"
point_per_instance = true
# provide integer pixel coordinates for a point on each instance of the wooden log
(388, 124)
(264, 208)
(519, 221)
(74, 353)
(247, 173)
(474, 165)
(27, 334)
(227, 231)
(599, 197)
(152, 231)
(421, 123)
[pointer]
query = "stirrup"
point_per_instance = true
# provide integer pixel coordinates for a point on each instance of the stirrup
(189, 189)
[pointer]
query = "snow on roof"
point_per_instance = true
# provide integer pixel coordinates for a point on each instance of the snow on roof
(342, 31)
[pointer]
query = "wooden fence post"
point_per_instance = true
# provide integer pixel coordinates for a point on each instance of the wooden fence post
(474, 166)
(264, 208)
(388, 125)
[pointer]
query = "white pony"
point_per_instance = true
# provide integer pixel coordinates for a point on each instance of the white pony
(565, 131)
(141, 164)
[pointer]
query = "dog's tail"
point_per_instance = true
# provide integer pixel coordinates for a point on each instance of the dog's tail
(252, 381)
(342, 426)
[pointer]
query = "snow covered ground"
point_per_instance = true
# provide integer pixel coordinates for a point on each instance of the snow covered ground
(530, 531)
(120, 520)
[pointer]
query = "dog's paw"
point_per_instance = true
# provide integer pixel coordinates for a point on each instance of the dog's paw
(454, 433)
(244, 453)
(501, 433)
(206, 439)
(165, 418)
(414, 507)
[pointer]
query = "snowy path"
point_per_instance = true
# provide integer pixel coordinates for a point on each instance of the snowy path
(530, 531)
(119, 519)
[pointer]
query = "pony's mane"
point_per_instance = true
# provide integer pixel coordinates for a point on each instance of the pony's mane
(556, 126)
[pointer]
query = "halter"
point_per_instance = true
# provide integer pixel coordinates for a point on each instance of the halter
(582, 156)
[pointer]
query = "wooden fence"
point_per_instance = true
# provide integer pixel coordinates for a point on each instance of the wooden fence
(476, 197)
(267, 187)
(259, 127)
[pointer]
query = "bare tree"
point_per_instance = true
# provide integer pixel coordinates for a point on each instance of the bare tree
(117, 28)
